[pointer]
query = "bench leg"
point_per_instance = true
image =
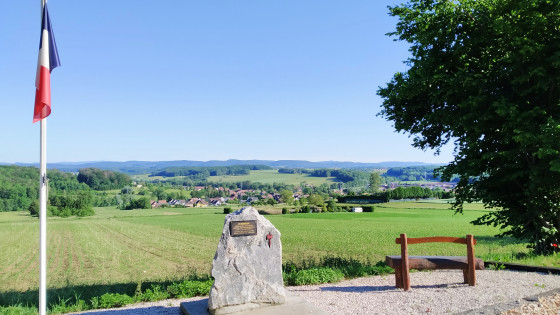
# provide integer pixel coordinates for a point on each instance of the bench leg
(398, 278)
(470, 279)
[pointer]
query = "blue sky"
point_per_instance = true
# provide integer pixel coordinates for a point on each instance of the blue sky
(205, 80)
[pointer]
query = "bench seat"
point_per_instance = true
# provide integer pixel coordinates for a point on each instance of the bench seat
(434, 262)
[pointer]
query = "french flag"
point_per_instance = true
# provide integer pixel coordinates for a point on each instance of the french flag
(48, 60)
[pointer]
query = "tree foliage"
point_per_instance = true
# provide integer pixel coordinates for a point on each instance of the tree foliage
(484, 75)
(102, 179)
(374, 182)
(199, 173)
(19, 190)
(69, 204)
(287, 196)
(138, 203)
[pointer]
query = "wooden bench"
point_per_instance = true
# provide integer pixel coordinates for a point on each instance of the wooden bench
(403, 263)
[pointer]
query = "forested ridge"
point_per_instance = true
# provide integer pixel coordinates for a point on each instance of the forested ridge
(199, 173)
(392, 174)
(103, 179)
(68, 193)
(18, 187)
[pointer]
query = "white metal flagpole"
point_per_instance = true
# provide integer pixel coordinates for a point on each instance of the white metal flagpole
(43, 221)
(43, 212)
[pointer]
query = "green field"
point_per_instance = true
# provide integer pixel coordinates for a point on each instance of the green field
(118, 246)
(272, 176)
(260, 176)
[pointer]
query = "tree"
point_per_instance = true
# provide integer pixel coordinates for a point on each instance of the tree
(102, 179)
(374, 182)
(139, 203)
(484, 75)
(287, 196)
(332, 206)
(316, 200)
(34, 208)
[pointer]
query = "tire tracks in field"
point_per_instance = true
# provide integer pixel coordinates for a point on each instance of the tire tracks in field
(54, 259)
(19, 259)
(75, 255)
(142, 247)
(199, 244)
(12, 276)
(118, 238)
(130, 242)
(22, 259)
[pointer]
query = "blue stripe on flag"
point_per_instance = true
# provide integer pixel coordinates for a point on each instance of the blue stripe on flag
(54, 61)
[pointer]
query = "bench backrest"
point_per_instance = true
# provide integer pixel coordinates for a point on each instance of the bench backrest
(434, 239)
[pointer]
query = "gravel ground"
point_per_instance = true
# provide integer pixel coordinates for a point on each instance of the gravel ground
(433, 292)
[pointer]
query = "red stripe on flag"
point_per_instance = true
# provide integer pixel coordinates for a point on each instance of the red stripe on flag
(43, 95)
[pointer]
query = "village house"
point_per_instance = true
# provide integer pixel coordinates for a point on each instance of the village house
(218, 201)
(158, 203)
(196, 202)
(252, 199)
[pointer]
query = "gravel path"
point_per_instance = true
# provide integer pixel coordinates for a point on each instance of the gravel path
(432, 292)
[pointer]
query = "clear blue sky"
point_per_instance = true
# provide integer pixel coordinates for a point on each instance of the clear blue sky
(205, 80)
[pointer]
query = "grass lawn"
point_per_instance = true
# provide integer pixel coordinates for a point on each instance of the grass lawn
(120, 246)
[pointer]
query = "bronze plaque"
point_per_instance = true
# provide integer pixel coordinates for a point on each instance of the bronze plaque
(243, 228)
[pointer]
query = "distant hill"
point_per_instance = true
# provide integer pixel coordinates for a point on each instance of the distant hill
(143, 167)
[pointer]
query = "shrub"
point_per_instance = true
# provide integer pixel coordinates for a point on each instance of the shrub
(153, 294)
(190, 288)
(109, 300)
(347, 267)
(34, 208)
(227, 210)
(18, 310)
(284, 210)
(314, 276)
(368, 208)
(64, 307)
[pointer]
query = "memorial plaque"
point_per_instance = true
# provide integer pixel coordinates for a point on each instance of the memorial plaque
(243, 228)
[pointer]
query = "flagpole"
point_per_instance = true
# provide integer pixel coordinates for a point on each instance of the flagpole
(43, 212)
(43, 220)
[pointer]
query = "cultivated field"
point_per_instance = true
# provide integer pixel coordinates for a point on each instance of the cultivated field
(260, 176)
(117, 246)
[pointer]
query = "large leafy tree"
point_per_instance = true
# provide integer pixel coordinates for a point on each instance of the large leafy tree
(374, 182)
(484, 75)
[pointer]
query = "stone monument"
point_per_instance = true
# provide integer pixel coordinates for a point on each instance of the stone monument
(247, 267)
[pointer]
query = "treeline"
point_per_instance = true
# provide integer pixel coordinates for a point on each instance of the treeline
(19, 186)
(66, 204)
(286, 170)
(200, 173)
(342, 175)
(413, 173)
(399, 193)
(67, 195)
(357, 177)
(350, 177)
(98, 179)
